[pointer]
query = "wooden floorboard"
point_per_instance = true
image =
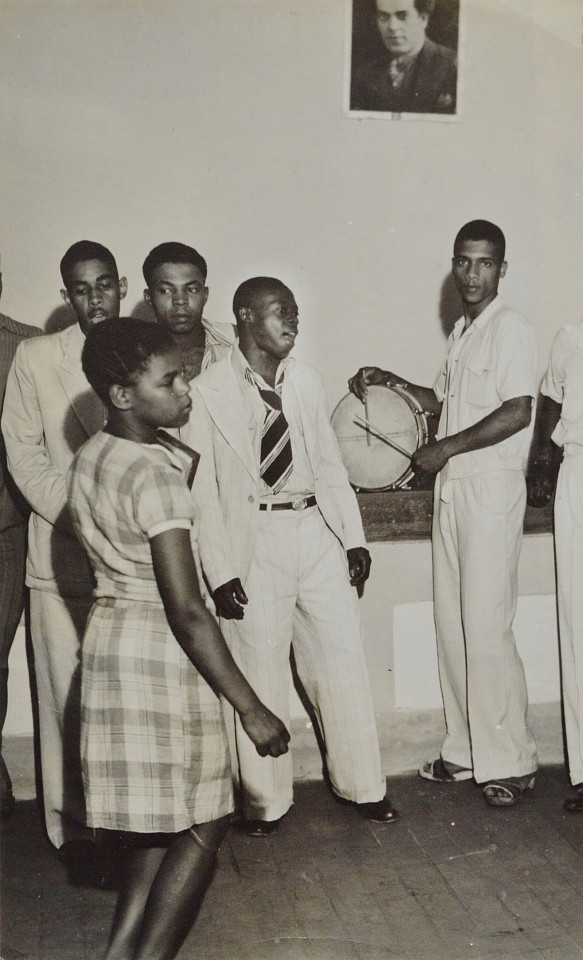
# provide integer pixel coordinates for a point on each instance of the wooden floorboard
(453, 880)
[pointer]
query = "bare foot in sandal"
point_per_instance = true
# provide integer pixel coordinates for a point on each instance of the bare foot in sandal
(507, 791)
(442, 771)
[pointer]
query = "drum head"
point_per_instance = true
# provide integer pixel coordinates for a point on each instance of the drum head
(373, 464)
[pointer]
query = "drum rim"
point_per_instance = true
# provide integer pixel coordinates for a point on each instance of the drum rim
(422, 426)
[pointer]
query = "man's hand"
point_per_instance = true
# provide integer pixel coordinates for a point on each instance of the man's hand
(367, 377)
(540, 488)
(229, 599)
(359, 561)
(431, 457)
(267, 732)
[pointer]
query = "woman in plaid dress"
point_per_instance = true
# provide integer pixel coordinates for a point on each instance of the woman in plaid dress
(154, 751)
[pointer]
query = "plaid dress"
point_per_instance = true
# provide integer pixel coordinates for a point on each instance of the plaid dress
(153, 743)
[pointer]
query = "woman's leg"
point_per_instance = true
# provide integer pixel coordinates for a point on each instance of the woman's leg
(178, 889)
(140, 867)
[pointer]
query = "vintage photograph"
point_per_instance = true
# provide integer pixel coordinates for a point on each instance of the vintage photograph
(403, 58)
(291, 480)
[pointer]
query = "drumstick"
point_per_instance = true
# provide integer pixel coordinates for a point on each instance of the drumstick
(368, 439)
(382, 436)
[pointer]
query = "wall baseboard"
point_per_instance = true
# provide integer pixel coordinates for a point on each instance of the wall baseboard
(408, 738)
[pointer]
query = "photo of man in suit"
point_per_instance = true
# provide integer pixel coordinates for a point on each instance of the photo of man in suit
(408, 72)
(49, 412)
(283, 549)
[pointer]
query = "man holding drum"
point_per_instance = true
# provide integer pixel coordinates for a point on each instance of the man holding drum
(484, 395)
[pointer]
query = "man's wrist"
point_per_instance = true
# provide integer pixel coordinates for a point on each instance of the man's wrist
(544, 460)
(392, 381)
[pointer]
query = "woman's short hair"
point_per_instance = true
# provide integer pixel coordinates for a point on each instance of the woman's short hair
(118, 348)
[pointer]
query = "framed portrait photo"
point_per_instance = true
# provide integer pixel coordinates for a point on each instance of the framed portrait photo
(402, 59)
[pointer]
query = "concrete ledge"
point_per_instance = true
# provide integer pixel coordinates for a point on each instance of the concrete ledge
(409, 737)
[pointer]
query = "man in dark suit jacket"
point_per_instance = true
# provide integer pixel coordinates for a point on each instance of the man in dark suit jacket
(13, 520)
(412, 74)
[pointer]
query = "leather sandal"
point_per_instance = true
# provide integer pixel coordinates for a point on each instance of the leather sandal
(574, 804)
(507, 791)
(440, 771)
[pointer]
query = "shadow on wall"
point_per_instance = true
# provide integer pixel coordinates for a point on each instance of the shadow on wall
(449, 305)
(61, 318)
(142, 311)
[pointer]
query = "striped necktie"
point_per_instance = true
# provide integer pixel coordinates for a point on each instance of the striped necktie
(276, 450)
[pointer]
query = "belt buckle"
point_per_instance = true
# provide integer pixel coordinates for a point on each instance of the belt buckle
(299, 504)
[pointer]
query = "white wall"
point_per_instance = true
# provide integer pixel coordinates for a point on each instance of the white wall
(219, 123)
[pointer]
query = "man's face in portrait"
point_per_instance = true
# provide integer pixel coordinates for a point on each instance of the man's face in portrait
(401, 26)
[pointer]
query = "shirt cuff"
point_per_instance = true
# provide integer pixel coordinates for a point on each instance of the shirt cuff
(165, 525)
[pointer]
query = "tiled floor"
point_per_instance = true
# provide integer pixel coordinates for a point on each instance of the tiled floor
(454, 880)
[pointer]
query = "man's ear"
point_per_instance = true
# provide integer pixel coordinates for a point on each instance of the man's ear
(66, 297)
(147, 297)
(123, 287)
(503, 268)
(245, 315)
(121, 397)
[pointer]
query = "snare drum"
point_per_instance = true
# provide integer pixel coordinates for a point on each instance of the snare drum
(371, 462)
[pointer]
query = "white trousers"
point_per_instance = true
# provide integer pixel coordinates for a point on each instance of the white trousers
(477, 534)
(57, 627)
(299, 585)
(569, 555)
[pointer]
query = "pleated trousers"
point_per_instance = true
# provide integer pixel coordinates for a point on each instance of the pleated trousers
(57, 626)
(298, 586)
(12, 562)
(569, 556)
(476, 539)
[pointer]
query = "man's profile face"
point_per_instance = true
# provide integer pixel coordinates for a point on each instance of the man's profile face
(401, 26)
(273, 322)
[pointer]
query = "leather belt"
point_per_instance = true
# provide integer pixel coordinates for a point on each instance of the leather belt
(300, 504)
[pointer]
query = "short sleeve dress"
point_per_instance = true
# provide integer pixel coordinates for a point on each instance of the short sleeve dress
(154, 749)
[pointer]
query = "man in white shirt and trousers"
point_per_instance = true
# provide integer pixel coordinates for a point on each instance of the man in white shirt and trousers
(484, 396)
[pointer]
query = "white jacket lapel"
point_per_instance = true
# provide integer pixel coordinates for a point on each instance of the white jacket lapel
(86, 405)
(224, 402)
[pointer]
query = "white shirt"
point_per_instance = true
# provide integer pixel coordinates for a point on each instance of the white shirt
(301, 480)
(563, 383)
(493, 361)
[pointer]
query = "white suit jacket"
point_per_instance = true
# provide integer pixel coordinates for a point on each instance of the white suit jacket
(49, 412)
(227, 485)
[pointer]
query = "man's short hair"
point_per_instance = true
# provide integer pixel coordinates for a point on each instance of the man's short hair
(483, 230)
(425, 7)
(82, 251)
(172, 253)
(250, 292)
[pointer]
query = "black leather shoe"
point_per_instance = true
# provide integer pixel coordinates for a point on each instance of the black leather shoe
(6, 804)
(574, 804)
(381, 811)
(260, 828)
